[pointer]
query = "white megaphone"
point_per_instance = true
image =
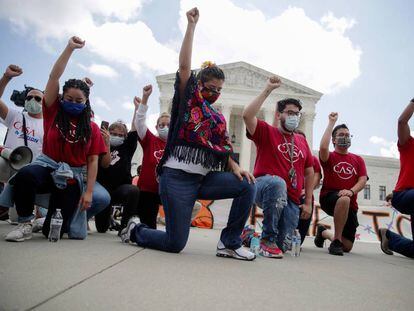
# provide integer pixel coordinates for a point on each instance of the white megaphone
(12, 160)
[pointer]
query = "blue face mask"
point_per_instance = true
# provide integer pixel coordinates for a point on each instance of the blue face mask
(74, 109)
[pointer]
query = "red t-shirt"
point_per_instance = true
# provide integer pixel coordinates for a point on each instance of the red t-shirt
(316, 165)
(67, 150)
(342, 171)
(273, 156)
(153, 148)
(406, 177)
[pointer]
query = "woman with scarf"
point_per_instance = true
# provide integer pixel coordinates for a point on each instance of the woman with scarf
(198, 150)
(68, 166)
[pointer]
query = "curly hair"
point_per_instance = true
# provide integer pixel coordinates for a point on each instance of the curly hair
(83, 127)
(209, 71)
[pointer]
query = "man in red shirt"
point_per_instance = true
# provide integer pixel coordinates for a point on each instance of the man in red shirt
(283, 165)
(345, 175)
(403, 195)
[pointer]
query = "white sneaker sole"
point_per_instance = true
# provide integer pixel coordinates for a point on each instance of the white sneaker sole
(269, 255)
(228, 253)
(18, 240)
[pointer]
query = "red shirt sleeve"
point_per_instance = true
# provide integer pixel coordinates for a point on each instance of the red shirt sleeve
(408, 143)
(147, 139)
(316, 165)
(309, 156)
(259, 134)
(51, 111)
(362, 169)
(97, 146)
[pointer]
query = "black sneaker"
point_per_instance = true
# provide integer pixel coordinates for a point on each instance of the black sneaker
(336, 248)
(319, 240)
(384, 241)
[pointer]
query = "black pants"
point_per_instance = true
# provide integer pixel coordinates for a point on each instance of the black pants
(34, 179)
(67, 201)
(328, 203)
(148, 208)
(304, 224)
(127, 195)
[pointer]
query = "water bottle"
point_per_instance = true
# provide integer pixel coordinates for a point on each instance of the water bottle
(55, 226)
(255, 244)
(295, 252)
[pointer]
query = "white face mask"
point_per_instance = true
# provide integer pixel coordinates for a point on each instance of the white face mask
(163, 132)
(292, 123)
(116, 141)
(32, 106)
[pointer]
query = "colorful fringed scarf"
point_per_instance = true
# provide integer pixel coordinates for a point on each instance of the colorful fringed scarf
(198, 132)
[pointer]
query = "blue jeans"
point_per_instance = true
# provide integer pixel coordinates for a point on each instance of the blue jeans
(100, 200)
(179, 191)
(403, 201)
(280, 214)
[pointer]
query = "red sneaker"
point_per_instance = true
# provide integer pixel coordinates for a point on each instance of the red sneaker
(270, 249)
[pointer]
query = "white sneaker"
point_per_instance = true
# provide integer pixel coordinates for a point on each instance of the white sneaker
(241, 253)
(126, 232)
(38, 224)
(22, 232)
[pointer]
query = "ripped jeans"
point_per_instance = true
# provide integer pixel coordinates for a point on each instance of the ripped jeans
(280, 214)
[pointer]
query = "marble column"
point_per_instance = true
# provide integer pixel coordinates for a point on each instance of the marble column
(226, 111)
(245, 149)
(165, 105)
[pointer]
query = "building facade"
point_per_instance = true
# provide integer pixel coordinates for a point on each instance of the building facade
(243, 83)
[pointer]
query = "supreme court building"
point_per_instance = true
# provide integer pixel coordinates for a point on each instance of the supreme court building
(243, 83)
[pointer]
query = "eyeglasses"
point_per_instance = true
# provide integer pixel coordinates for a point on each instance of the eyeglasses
(292, 113)
(36, 98)
(345, 135)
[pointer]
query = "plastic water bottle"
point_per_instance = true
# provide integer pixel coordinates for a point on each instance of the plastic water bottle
(55, 226)
(255, 244)
(296, 240)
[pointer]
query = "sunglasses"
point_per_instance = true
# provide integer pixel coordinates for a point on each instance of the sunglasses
(36, 98)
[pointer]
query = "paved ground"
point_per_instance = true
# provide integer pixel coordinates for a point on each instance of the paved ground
(100, 273)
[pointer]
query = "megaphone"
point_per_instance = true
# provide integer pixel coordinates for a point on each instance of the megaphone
(12, 160)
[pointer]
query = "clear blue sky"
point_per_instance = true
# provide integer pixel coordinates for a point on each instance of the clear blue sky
(377, 36)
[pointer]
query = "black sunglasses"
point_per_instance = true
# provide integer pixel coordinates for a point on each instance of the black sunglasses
(37, 98)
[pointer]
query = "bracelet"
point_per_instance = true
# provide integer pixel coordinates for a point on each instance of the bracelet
(353, 193)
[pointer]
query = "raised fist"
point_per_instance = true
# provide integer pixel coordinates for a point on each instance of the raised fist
(192, 16)
(137, 102)
(333, 116)
(13, 71)
(147, 90)
(76, 43)
(274, 82)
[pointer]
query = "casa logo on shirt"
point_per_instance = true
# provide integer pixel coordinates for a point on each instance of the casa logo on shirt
(345, 170)
(158, 155)
(285, 149)
(30, 133)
